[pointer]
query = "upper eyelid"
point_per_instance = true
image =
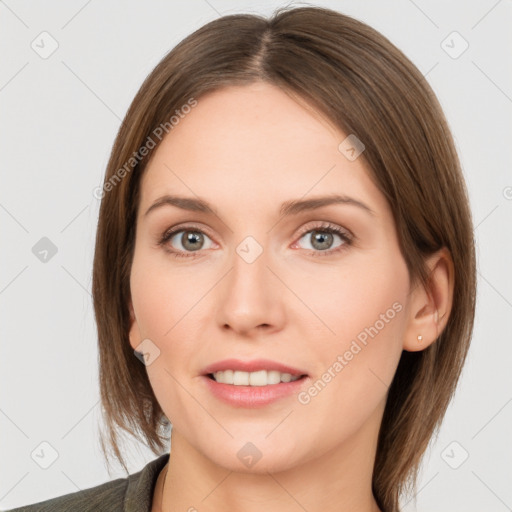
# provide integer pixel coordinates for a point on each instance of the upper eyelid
(326, 225)
(189, 227)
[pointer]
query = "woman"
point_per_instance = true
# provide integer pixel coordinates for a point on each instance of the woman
(284, 272)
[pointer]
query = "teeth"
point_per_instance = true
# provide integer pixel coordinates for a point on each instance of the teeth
(259, 378)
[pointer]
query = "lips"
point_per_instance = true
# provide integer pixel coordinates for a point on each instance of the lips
(253, 384)
(252, 366)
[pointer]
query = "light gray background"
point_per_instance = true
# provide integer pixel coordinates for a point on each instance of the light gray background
(59, 118)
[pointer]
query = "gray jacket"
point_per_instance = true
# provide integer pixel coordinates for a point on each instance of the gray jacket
(131, 494)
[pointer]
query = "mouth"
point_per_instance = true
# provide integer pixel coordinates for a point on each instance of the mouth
(253, 389)
(254, 373)
(253, 379)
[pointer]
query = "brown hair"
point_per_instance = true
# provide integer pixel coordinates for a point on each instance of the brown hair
(367, 87)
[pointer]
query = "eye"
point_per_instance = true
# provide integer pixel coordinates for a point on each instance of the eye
(321, 239)
(184, 240)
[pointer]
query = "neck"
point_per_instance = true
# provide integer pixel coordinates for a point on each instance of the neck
(339, 479)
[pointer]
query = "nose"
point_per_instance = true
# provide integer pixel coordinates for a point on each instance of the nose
(250, 297)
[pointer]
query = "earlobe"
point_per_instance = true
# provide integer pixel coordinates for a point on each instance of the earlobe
(430, 306)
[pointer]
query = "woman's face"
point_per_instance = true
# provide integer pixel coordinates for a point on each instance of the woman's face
(260, 279)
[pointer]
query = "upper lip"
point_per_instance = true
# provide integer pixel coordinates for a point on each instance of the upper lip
(251, 366)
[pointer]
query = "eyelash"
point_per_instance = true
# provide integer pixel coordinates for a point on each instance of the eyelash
(323, 228)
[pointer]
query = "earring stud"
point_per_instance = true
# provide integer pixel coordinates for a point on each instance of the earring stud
(420, 338)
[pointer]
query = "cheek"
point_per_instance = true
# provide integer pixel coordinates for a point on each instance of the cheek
(362, 295)
(365, 307)
(357, 364)
(167, 302)
(161, 295)
(161, 300)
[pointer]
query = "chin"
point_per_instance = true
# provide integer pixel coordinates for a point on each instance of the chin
(254, 457)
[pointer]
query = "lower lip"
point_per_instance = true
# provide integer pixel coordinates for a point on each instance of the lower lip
(253, 396)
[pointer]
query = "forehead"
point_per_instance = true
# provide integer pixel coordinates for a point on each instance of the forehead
(254, 145)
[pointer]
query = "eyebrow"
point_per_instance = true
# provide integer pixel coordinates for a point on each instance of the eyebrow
(287, 208)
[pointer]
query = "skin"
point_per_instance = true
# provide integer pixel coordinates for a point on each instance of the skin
(246, 150)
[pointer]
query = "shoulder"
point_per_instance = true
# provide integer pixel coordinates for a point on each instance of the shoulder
(107, 496)
(133, 493)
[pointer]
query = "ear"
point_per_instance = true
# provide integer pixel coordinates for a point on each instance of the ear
(134, 334)
(430, 306)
